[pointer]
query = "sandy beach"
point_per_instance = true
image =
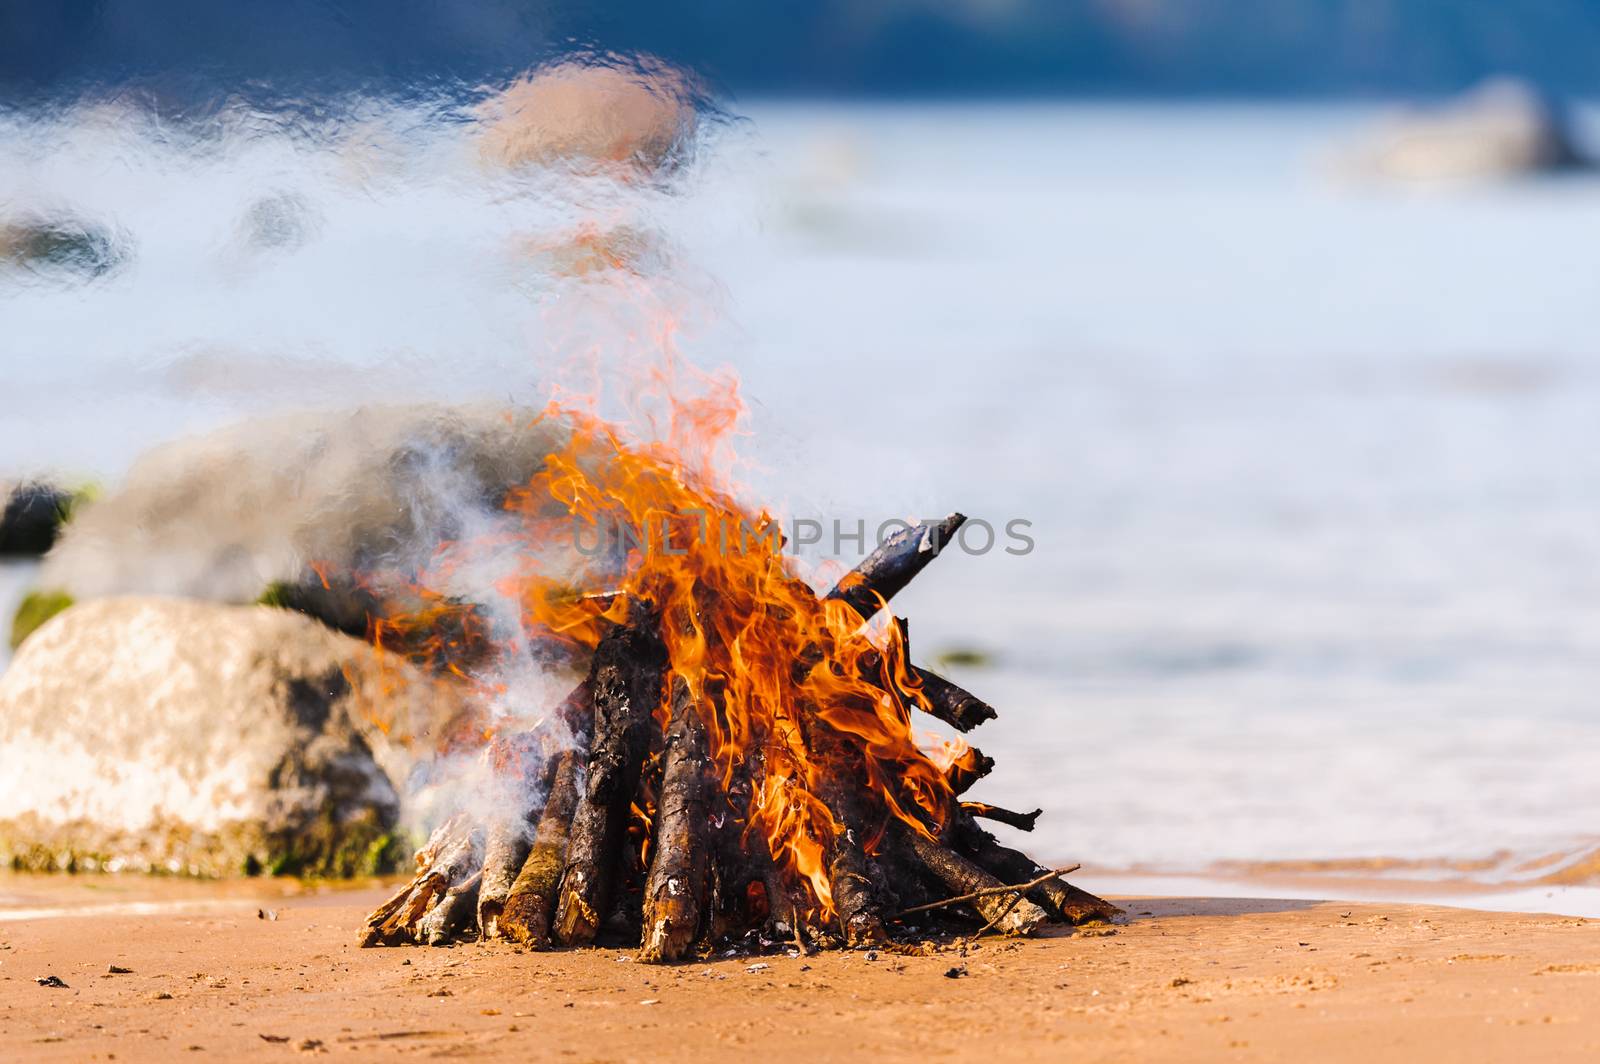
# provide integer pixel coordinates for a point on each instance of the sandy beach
(261, 971)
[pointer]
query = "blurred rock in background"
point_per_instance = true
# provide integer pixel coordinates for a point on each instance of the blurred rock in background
(176, 736)
(1503, 128)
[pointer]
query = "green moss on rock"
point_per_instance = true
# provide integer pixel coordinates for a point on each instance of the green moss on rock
(36, 608)
(278, 595)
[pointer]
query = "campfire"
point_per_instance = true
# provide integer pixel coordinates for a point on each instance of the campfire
(742, 757)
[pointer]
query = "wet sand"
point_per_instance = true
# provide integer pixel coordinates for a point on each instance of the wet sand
(1185, 979)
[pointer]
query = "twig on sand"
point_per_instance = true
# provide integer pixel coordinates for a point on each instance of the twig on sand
(1018, 889)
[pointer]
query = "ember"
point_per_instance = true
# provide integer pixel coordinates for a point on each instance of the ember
(741, 756)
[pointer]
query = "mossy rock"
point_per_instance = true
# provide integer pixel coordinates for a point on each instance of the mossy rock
(34, 610)
(190, 738)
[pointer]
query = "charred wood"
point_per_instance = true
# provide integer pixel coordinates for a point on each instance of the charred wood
(1073, 905)
(1020, 821)
(1011, 915)
(952, 703)
(675, 891)
(889, 568)
(625, 681)
(969, 768)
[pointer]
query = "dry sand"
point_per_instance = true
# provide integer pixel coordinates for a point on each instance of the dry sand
(1185, 979)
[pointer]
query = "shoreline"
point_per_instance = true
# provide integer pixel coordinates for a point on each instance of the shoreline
(1183, 979)
(1534, 898)
(33, 895)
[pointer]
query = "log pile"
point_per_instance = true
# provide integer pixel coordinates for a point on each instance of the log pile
(642, 828)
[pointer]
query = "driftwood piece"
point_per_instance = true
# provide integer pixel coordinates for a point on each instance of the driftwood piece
(625, 681)
(1020, 821)
(889, 568)
(1011, 916)
(1073, 905)
(674, 893)
(531, 901)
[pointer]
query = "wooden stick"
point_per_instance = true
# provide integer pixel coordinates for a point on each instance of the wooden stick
(1073, 905)
(893, 564)
(674, 892)
(952, 703)
(968, 769)
(625, 681)
(520, 777)
(452, 916)
(855, 893)
(451, 856)
(1015, 888)
(960, 874)
(872, 583)
(1020, 821)
(531, 902)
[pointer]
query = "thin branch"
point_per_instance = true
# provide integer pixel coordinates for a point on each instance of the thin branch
(1001, 915)
(1018, 889)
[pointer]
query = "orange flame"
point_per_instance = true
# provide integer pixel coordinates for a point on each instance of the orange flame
(804, 702)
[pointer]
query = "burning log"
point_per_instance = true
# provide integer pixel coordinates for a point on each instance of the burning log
(777, 778)
(625, 681)
(854, 892)
(1013, 916)
(1071, 904)
(877, 579)
(531, 901)
(887, 570)
(1020, 821)
(970, 767)
(951, 703)
(675, 891)
(520, 769)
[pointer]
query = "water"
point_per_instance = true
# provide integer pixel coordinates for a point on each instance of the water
(1312, 466)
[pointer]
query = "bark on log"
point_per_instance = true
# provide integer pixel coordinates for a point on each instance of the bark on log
(855, 893)
(674, 894)
(1020, 821)
(503, 856)
(625, 680)
(531, 902)
(1073, 905)
(961, 876)
(452, 917)
(952, 703)
(889, 568)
